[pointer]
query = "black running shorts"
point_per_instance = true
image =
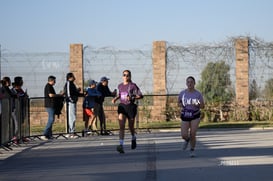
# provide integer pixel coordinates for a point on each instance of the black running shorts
(129, 110)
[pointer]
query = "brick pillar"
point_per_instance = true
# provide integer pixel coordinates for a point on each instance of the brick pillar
(242, 82)
(242, 69)
(76, 63)
(159, 77)
(76, 67)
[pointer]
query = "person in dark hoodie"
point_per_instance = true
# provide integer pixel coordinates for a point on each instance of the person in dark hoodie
(90, 107)
(22, 108)
(8, 93)
(105, 92)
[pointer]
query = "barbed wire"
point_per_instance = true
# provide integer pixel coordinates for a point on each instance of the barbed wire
(35, 69)
(182, 61)
(110, 62)
(190, 60)
(260, 61)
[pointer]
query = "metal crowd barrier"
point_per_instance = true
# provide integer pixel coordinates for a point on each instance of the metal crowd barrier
(14, 125)
(24, 115)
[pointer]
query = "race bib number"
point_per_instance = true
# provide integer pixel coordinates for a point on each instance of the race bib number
(123, 96)
(188, 114)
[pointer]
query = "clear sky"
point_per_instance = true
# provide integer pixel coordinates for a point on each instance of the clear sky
(51, 25)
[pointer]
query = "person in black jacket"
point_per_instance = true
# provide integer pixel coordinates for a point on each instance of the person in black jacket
(71, 95)
(8, 93)
(105, 92)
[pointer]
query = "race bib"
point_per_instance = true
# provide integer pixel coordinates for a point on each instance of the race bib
(188, 115)
(123, 95)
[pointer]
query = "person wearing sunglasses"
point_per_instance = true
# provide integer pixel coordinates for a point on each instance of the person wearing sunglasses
(128, 93)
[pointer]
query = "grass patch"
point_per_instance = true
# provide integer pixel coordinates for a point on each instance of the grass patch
(61, 128)
(243, 124)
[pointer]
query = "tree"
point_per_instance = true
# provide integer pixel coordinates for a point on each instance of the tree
(268, 89)
(215, 82)
(254, 91)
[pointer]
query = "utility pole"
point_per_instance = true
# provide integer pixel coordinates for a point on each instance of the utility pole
(0, 62)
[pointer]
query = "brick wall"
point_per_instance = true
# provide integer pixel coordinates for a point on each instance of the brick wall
(39, 116)
(76, 67)
(159, 84)
(242, 69)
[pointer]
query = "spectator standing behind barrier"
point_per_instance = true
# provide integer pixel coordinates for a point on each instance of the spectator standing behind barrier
(1, 97)
(128, 93)
(21, 95)
(17, 86)
(71, 95)
(8, 93)
(105, 91)
(191, 101)
(50, 102)
(90, 107)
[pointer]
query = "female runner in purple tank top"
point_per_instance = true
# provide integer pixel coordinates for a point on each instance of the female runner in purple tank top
(191, 101)
(128, 92)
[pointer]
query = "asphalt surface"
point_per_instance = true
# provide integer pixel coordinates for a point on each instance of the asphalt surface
(221, 155)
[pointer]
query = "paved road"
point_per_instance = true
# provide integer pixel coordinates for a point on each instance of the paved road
(222, 155)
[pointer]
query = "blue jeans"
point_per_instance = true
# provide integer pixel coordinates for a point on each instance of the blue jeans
(71, 116)
(50, 121)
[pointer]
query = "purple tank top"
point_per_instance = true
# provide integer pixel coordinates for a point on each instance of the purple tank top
(188, 99)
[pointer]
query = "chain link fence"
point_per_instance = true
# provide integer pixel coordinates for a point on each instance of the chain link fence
(182, 61)
(35, 69)
(111, 62)
(191, 60)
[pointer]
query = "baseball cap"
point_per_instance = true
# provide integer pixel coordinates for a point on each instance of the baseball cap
(104, 78)
(92, 82)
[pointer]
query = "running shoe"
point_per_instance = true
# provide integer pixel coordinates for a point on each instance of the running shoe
(24, 139)
(73, 136)
(133, 144)
(120, 149)
(15, 140)
(67, 136)
(88, 131)
(44, 138)
(106, 133)
(186, 143)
